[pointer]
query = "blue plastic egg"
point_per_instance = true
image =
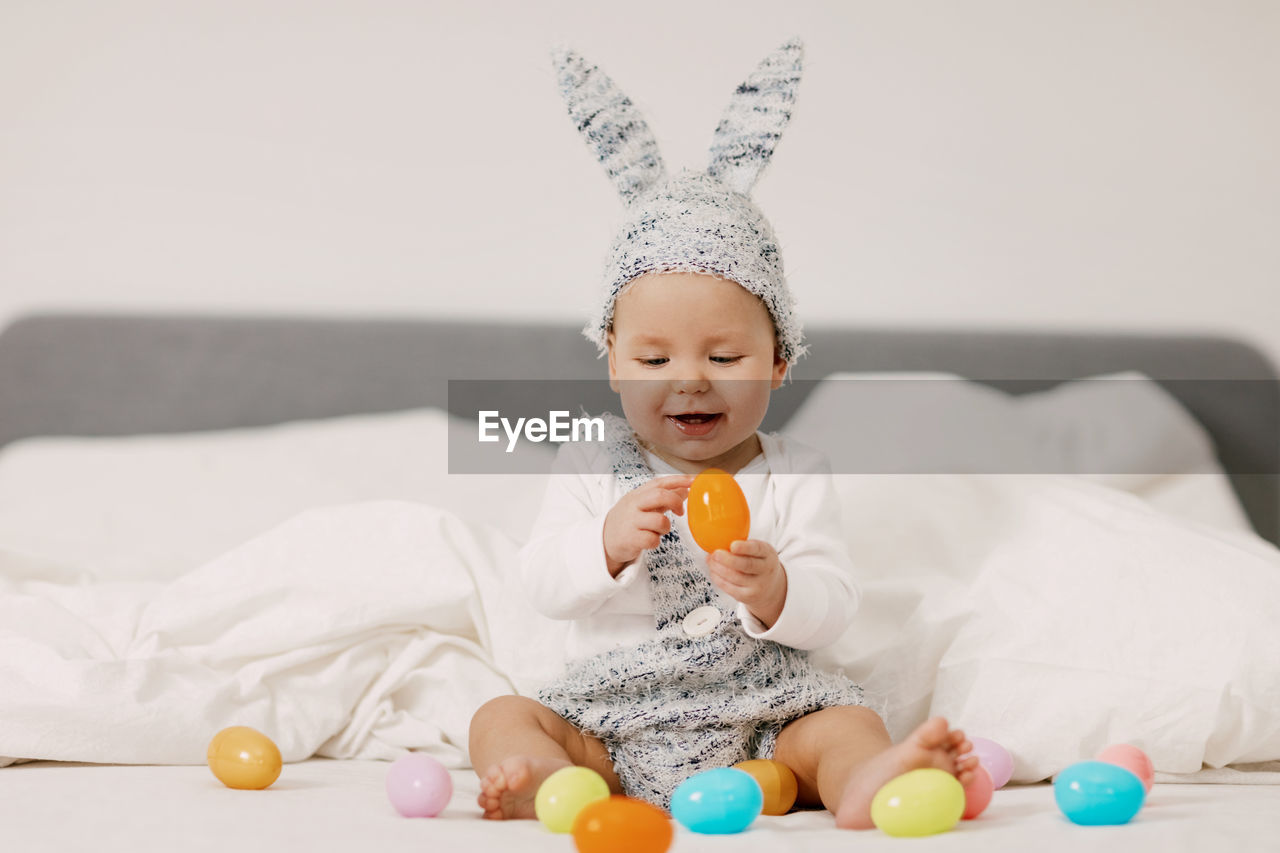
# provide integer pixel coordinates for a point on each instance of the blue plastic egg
(717, 802)
(1095, 793)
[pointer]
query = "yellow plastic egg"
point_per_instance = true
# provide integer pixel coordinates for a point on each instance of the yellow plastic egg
(565, 793)
(242, 757)
(776, 781)
(921, 802)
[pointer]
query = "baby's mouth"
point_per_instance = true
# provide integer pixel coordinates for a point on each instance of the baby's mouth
(695, 423)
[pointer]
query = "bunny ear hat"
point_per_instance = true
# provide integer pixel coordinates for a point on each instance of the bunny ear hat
(697, 221)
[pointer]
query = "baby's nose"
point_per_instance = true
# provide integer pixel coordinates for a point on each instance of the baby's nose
(691, 385)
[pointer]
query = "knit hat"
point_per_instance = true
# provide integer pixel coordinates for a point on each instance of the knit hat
(697, 221)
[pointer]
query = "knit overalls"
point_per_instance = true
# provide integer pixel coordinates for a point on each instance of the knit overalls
(681, 703)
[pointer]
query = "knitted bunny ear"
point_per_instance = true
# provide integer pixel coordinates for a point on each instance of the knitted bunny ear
(758, 111)
(611, 125)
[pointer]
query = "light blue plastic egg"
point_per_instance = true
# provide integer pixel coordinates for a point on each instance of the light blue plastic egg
(717, 802)
(1095, 793)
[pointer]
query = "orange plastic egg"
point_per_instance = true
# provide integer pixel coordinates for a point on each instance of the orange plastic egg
(718, 511)
(776, 781)
(242, 757)
(621, 825)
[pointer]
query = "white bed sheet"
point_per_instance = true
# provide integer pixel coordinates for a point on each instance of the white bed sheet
(325, 804)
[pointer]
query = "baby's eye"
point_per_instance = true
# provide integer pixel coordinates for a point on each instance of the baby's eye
(652, 362)
(726, 359)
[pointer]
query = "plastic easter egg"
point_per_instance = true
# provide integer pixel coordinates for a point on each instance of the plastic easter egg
(718, 511)
(245, 758)
(418, 785)
(1132, 759)
(1095, 793)
(921, 802)
(565, 793)
(995, 758)
(776, 781)
(622, 825)
(717, 802)
(978, 793)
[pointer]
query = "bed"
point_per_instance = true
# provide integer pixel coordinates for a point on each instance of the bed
(92, 395)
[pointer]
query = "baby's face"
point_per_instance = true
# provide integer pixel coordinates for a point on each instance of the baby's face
(694, 360)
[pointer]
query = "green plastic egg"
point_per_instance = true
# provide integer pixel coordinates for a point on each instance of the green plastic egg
(921, 802)
(565, 793)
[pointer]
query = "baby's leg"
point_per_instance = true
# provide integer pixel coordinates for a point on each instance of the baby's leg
(841, 756)
(516, 743)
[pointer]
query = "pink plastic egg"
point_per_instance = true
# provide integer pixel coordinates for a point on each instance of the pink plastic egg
(1132, 759)
(995, 758)
(418, 785)
(978, 793)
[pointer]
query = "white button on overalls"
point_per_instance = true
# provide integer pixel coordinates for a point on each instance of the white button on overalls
(702, 621)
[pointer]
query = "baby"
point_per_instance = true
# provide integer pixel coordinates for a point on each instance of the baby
(682, 661)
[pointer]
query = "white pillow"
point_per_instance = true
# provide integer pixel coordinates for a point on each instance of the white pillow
(1055, 615)
(150, 507)
(1120, 430)
(1096, 620)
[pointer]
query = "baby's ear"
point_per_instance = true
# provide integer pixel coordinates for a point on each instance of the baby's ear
(613, 363)
(611, 124)
(779, 369)
(758, 111)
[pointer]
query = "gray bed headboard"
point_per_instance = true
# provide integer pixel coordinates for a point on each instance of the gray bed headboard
(105, 374)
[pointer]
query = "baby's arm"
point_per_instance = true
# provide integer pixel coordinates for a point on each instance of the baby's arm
(751, 573)
(819, 592)
(638, 520)
(582, 550)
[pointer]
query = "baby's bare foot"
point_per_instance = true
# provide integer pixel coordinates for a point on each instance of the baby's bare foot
(507, 790)
(930, 745)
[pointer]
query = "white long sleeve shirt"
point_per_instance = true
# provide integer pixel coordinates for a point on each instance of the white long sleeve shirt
(794, 507)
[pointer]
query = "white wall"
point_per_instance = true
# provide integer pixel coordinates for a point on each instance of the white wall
(954, 162)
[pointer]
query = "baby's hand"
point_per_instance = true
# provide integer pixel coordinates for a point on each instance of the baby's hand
(750, 572)
(638, 520)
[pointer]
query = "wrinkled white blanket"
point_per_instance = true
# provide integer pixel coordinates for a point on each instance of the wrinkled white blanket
(350, 632)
